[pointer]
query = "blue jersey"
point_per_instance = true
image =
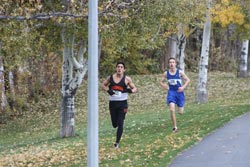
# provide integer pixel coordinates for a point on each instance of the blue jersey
(174, 81)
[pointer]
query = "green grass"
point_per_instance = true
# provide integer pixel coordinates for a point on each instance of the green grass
(33, 139)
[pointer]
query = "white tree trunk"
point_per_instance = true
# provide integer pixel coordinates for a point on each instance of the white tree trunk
(248, 60)
(202, 95)
(181, 51)
(181, 45)
(2, 88)
(173, 46)
(3, 97)
(169, 51)
(243, 71)
(70, 82)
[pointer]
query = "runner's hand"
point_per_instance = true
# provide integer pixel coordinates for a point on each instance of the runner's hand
(127, 90)
(111, 92)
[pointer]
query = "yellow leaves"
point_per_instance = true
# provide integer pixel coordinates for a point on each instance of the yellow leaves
(162, 20)
(247, 26)
(166, 34)
(226, 13)
(225, 2)
(45, 156)
(163, 154)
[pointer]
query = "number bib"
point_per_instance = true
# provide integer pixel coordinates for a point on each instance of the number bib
(117, 93)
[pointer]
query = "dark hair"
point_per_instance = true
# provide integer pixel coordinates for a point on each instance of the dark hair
(172, 58)
(120, 62)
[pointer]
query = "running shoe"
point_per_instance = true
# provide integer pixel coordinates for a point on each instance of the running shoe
(116, 145)
(175, 129)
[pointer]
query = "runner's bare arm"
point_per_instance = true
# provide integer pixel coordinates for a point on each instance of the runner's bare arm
(131, 84)
(105, 84)
(186, 79)
(163, 84)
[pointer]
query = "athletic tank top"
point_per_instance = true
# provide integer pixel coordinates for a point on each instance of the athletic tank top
(174, 81)
(118, 89)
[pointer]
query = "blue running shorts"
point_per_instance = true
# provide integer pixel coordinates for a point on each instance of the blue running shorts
(176, 97)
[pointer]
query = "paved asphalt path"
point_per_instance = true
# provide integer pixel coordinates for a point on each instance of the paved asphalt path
(228, 146)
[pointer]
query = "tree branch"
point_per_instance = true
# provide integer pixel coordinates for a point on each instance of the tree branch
(108, 9)
(42, 16)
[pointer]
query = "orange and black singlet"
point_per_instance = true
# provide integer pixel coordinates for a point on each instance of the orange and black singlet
(118, 88)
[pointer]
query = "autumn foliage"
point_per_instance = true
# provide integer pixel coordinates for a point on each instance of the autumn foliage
(227, 13)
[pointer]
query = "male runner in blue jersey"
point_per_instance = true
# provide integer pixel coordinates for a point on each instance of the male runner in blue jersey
(175, 95)
(118, 85)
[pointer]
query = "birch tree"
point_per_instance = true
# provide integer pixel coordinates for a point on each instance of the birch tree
(74, 70)
(202, 95)
(173, 46)
(2, 92)
(235, 16)
(181, 51)
(243, 67)
(74, 65)
(187, 17)
(248, 62)
(181, 44)
(170, 49)
(2, 87)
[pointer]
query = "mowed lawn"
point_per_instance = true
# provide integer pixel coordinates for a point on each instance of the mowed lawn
(33, 138)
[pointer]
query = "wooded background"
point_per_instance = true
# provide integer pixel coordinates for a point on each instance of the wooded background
(37, 37)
